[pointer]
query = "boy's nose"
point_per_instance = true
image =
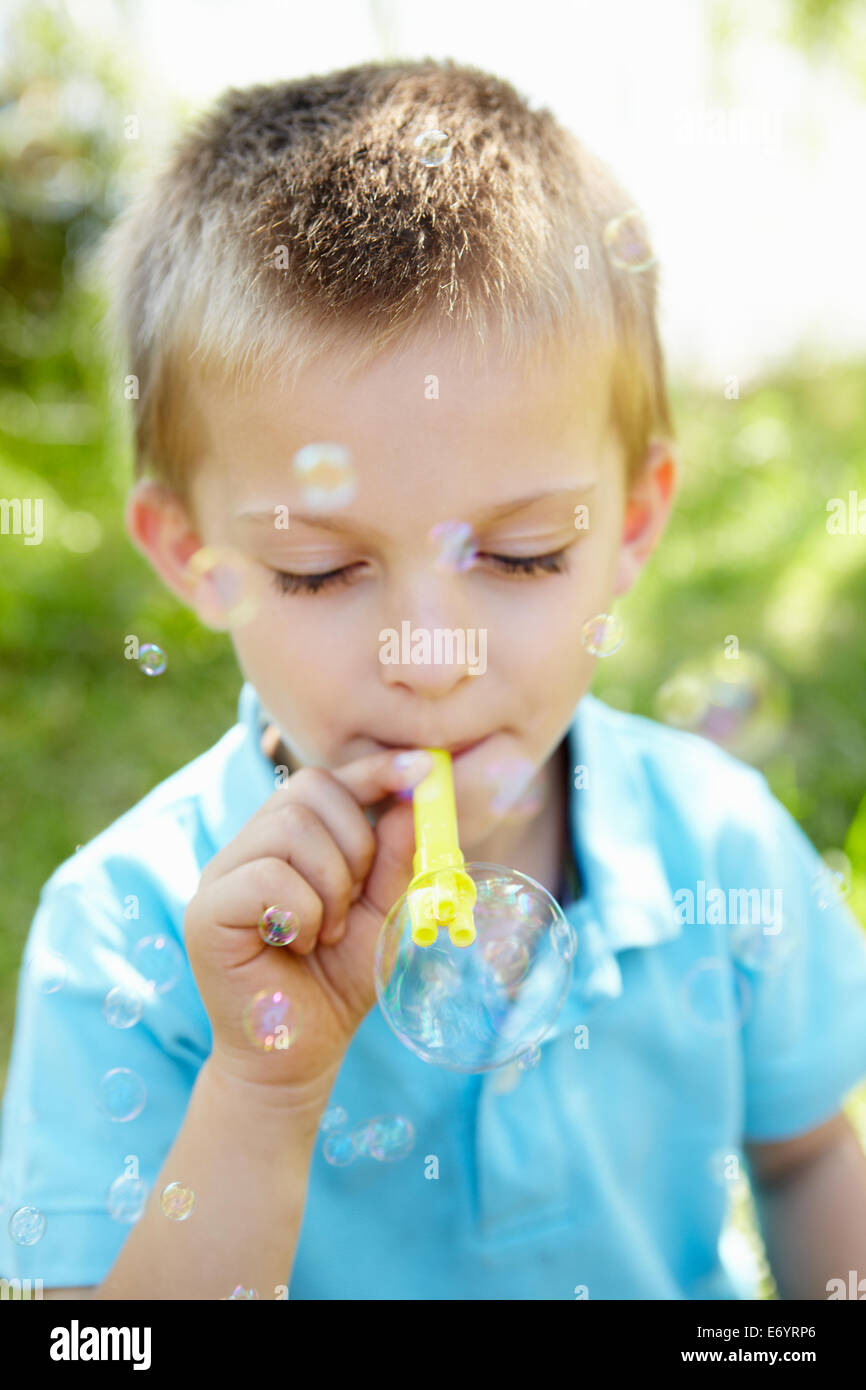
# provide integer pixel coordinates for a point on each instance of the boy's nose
(428, 680)
(426, 643)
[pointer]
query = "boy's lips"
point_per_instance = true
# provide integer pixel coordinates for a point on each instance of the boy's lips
(457, 750)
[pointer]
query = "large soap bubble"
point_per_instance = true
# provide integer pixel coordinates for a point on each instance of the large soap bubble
(476, 1007)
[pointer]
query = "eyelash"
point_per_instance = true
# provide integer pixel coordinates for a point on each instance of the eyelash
(287, 583)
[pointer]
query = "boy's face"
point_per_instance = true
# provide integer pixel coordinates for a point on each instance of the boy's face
(510, 457)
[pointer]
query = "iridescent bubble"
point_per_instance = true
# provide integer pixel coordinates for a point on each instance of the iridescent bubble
(151, 659)
(434, 147)
(390, 1138)
(334, 1118)
(682, 701)
(326, 476)
(627, 242)
(339, 1149)
(159, 961)
(127, 1198)
(564, 939)
(716, 996)
(48, 971)
(270, 1021)
(227, 588)
(359, 1138)
(832, 882)
(27, 1225)
(122, 1007)
(515, 787)
(737, 702)
(529, 1058)
(508, 959)
(278, 927)
(510, 982)
(455, 543)
(122, 1094)
(759, 947)
(602, 635)
(241, 1295)
(177, 1201)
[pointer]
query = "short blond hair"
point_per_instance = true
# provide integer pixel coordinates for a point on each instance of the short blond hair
(297, 219)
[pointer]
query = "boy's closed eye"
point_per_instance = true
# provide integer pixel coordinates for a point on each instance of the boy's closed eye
(554, 562)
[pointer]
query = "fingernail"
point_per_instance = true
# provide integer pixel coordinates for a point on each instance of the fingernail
(411, 767)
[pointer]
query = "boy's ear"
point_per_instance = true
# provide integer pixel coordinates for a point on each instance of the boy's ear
(160, 526)
(648, 507)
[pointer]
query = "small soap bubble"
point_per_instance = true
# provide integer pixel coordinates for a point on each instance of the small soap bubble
(269, 1021)
(27, 1225)
(339, 1149)
(177, 1201)
(602, 635)
(240, 1294)
(122, 1007)
(278, 927)
(326, 476)
(360, 1139)
(335, 1118)
(434, 147)
(122, 1094)
(760, 950)
(151, 659)
(716, 996)
(127, 1198)
(227, 587)
(682, 701)
(456, 547)
(48, 971)
(515, 789)
(739, 703)
(159, 961)
(529, 1058)
(627, 242)
(832, 882)
(389, 1138)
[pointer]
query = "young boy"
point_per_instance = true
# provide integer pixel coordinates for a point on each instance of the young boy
(458, 330)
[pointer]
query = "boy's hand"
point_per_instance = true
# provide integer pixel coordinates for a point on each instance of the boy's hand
(309, 849)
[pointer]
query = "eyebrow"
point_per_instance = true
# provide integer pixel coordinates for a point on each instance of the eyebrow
(265, 516)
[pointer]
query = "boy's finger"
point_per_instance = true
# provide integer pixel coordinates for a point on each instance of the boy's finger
(335, 797)
(240, 898)
(373, 778)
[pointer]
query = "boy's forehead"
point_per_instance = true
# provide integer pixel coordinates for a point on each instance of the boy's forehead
(488, 415)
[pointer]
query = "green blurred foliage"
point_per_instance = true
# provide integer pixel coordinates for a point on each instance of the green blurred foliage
(84, 734)
(824, 31)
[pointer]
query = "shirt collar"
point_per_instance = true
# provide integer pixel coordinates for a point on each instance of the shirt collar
(614, 834)
(627, 900)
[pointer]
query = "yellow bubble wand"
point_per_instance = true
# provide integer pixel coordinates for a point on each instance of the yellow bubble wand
(440, 894)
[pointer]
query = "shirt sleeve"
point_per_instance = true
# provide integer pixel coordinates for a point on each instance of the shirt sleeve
(804, 1032)
(62, 1143)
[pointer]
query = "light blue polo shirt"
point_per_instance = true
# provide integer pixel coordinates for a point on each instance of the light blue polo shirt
(605, 1172)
